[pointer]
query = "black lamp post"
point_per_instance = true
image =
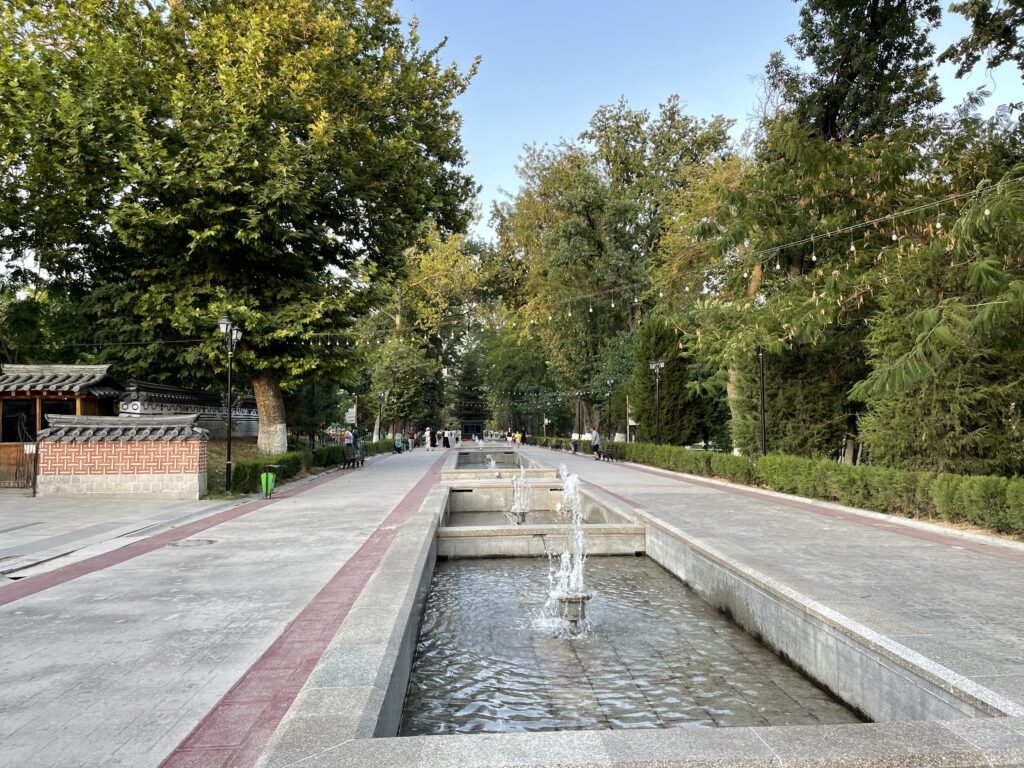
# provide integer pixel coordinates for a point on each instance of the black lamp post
(579, 414)
(760, 376)
(232, 334)
(611, 385)
(657, 366)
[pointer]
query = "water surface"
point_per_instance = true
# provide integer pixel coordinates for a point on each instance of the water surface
(654, 655)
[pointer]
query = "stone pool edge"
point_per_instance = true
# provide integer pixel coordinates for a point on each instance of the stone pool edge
(357, 689)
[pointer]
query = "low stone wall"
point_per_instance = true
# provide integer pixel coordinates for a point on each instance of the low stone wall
(155, 457)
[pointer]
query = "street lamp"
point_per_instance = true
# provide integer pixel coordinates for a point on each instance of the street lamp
(657, 366)
(760, 376)
(611, 385)
(579, 413)
(231, 334)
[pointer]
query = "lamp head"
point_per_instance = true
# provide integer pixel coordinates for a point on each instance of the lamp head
(224, 324)
(236, 334)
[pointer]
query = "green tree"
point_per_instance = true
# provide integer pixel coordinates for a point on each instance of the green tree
(995, 35)
(265, 160)
(946, 387)
(686, 415)
(868, 66)
(403, 372)
(576, 242)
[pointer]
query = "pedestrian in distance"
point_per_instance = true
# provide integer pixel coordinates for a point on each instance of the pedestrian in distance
(432, 438)
(445, 439)
(595, 442)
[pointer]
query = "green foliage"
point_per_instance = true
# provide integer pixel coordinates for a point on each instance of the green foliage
(687, 416)
(586, 222)
(328, 455)
(404, 372)
(166, 163)
(245, 474)
(370, 448)
(995, 35)
(947, 376)
(870, 66)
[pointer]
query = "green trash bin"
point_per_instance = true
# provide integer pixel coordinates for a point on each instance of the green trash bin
(267, 477)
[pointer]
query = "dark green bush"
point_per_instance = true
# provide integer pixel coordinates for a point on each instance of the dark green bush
(328, 455)
(371, 448)
(982, 501)
(245, 474)
(991, 502)
(738, 469)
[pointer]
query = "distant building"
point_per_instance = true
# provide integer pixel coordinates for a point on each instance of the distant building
(144, 398)
(29, 394)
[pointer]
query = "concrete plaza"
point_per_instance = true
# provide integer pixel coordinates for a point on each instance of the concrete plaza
(180, 634)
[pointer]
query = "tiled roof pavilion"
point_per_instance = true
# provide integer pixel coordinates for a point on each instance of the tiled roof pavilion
(92, 380)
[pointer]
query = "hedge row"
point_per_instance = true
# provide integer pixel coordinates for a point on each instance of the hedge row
(245, 475)
(990, 502)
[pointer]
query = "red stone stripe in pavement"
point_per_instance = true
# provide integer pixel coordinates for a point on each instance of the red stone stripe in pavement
(32, 585)
(933, 537)
(238, 728)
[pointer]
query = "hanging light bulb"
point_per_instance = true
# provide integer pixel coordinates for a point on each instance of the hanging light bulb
(570, 313)
(987, 211)
(746, 274)
(814, 256)
(853, 248)
(613, 305)
(661, 294)
(894, 237)
(938, 225)
(777, 265)
(551, 317)
(591, 309)
(687, 289)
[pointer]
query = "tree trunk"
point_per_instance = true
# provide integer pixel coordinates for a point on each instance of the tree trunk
(850, 449)
(753, 286)
(269, 401)
(377, 424)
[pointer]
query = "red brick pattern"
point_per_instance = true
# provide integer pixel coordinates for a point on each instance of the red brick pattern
(184, 457)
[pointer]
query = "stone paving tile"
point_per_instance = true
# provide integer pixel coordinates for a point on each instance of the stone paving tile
(122, 663)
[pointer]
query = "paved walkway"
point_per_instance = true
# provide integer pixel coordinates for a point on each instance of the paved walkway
(952, 598)
(181, 640)
(41, 534)
(116, 666)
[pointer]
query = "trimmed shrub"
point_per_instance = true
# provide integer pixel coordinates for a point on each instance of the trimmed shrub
(992, 502)
(737, 469)
(370, 448)
(328, 455)
(245, 474)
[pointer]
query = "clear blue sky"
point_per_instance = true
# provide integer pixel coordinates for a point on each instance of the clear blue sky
(546, 66)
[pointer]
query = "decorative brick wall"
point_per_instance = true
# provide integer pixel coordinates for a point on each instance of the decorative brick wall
(89, 456)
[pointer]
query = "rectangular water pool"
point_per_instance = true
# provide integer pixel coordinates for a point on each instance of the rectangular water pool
(653, 655)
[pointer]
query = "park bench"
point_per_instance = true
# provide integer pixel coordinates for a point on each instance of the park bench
(611, 453)
(556, 445)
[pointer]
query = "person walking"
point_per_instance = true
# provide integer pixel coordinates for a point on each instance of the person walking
(445, 440)
(431, 438)
(595, 442)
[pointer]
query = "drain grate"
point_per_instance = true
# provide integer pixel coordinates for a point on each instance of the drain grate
(193, 543)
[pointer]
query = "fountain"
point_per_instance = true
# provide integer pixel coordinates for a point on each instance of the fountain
(520, 499)
(567, 580)
(491, 463)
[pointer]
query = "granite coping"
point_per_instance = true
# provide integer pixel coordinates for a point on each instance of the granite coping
(960, 686)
